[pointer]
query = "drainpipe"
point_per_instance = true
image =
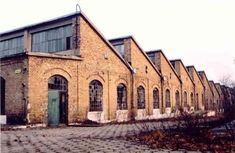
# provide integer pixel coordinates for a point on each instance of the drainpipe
(132, 96)
(162, 91)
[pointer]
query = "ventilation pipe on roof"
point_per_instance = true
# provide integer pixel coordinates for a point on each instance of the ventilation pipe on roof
(78, 6)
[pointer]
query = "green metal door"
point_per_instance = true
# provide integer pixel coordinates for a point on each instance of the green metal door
(53, 107)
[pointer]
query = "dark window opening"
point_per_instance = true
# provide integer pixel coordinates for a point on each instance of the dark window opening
(68, 43)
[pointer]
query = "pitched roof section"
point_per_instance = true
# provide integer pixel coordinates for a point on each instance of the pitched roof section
(69, 16)
(212, 82)
(193, 67)
(173, 69)
(61, 18)
(201, 73)
(142, 51)
(183, 67)
(107, 42)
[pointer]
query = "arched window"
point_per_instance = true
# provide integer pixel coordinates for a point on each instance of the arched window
(192, 101)
(156, 98)
(96, 95)
(177, 98)
(168, 98)
(141, 97)
(197, 102)
(185, 99)
(121, 97)
(2, 88)
(203, 100)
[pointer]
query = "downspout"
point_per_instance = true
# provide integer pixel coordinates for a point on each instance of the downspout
(132, 96)
(108, 97)
(162, 90)
(181, 98)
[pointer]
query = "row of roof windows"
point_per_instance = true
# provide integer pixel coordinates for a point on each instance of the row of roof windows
(52, 40)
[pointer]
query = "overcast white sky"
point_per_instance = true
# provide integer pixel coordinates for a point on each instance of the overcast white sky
(200, 32)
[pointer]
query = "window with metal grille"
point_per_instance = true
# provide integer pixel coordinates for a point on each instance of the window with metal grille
(121, 97)
(53, 40)
(96, 95)
(177, 99)
(168, 98)
(156, 98)
(192, 101)
(141, 97)
(57, 82)
(11, 46)
(185, 99)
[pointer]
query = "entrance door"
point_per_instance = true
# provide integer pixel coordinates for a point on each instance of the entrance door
(57, 100)
(53, 107)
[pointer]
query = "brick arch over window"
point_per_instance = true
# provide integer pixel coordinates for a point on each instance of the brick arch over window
(96, 95)
(141, 97)
(168, 98)
(185, 99)
(57, 71)
(156, 102)
(121, 97)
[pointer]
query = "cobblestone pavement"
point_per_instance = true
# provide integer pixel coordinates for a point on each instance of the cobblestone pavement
(108, 138)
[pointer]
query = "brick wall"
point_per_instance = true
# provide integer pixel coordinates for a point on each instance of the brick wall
(15, 72)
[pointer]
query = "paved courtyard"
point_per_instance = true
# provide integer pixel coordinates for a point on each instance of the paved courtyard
(108, 138)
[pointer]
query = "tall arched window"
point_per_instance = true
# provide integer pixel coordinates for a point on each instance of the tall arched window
(156, 98)
(197, 102)
(141, 97)
(203, 100)
(192, 101)
(96, 95)
(185, 99)
(168, 98)
(2, 98)
(177, 98)
(121, 97)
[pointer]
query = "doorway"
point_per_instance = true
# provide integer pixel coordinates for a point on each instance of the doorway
(57, 100)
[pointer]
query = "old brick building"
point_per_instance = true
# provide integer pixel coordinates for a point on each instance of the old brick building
(171, 84)
(188, 87)
(199, 88)
(216, 97)
(221, 95)
(209, 97)
(146, 78)
(65, 71)
(63, 68)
